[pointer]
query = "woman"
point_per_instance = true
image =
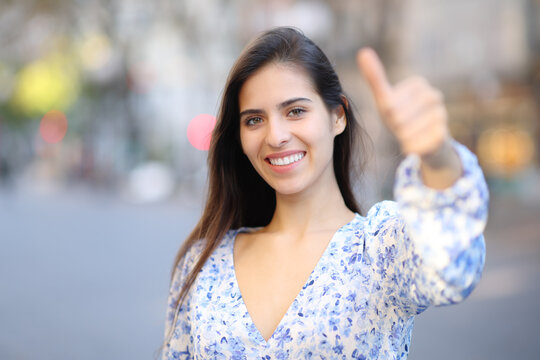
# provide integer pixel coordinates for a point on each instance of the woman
(282, 265)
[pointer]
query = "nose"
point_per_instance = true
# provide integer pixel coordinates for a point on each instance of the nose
(278, 133)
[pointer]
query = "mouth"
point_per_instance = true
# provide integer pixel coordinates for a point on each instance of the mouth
(285, 160)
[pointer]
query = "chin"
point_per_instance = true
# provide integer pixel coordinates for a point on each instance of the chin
(288, 192)
(288, 189)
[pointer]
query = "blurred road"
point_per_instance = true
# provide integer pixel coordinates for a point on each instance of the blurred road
(85, 276)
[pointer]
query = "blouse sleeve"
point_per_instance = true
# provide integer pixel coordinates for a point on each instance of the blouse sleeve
(428, 247)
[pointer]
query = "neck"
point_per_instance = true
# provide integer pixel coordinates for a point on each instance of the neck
(314, 210)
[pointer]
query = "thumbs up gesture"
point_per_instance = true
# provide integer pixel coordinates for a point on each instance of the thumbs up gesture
(412, 110)
(415, 114)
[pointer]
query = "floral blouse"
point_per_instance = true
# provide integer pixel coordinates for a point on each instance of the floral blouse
(359, 302)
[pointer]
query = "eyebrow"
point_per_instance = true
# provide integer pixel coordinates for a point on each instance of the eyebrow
(280, 106)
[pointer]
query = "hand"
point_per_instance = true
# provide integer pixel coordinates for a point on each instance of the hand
(412, 110)
(415, 114)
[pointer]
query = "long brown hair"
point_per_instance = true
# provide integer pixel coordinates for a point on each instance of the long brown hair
(237, 195)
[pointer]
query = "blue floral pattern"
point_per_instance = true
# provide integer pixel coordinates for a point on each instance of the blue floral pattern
(377, 272)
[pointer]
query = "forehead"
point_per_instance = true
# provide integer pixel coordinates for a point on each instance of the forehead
(274, 83)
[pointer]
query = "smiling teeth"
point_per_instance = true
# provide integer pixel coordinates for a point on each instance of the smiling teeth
(287, 160)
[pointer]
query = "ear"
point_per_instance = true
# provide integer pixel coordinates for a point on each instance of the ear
(340, 120)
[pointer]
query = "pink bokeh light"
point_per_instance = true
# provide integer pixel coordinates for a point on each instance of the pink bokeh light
(199, 131)
(53, 126)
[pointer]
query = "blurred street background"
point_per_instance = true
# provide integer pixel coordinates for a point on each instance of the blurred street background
(99, 184)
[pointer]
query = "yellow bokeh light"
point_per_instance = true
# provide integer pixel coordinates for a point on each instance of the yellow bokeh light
(505, 151)
(46, 84)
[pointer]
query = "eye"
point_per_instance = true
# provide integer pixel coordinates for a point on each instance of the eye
(252, 121)
(296, 112)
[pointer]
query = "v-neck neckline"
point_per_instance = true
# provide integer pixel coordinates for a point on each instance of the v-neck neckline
(300, 293)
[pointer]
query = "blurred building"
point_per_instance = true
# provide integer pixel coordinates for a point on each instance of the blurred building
(131, 74)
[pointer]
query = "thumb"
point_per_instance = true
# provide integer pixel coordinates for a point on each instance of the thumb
(373, 70)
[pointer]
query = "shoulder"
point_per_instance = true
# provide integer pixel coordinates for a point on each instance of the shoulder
(384, 212)
(187, 261)
(385, 236)
(384, 226)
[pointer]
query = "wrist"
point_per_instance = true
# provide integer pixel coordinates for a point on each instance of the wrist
(442, 168)
(441, 157)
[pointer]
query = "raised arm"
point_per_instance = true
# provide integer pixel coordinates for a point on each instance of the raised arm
(428, 248)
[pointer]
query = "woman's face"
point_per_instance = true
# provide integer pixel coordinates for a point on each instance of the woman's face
(286, 130)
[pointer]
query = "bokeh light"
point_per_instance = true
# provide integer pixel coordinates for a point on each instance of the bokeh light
(50, 83)
(199, 131)
(505, 151)
(53, 126)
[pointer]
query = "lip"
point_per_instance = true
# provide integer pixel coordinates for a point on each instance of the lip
(282, 169)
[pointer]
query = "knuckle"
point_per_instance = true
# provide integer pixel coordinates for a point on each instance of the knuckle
(419, 80)
(436, 95)
(442, 115)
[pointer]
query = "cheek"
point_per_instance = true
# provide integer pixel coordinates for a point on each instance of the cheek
(248, 142)
(318, 134)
